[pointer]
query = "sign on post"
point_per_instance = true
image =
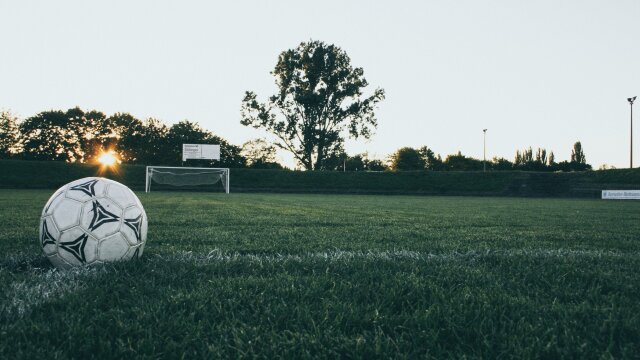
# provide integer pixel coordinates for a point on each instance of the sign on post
(621, 194)
(200, 151)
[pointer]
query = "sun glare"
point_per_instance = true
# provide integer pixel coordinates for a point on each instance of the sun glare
(108, 158)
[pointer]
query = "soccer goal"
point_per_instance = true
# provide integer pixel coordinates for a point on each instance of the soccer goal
(186, 176)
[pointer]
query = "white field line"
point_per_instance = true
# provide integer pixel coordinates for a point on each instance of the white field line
(43, 285)
(218, 255)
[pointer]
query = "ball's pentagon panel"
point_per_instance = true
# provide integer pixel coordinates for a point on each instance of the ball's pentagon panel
(121, 195)
(66, 214)
(113, 248)
(52, 202)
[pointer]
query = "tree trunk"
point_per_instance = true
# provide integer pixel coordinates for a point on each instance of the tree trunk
(320, 157)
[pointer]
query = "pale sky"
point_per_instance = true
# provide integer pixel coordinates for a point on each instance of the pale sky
(535, 73)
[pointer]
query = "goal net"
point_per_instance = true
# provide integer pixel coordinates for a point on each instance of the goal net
(190, 177)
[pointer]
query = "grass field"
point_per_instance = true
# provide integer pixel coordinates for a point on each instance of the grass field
(334, 276)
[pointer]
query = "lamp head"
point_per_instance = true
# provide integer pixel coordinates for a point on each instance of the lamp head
(631, 100)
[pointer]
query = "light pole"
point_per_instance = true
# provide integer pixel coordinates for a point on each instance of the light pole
(484, 150)
(631, 100)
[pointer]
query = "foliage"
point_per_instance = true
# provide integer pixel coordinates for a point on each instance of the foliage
(577, 155)
(431, 160)
(53, 135)
(319, 98)
(260, 154)
(460, 162)
(80, 136)
(545, 160)
(500, 163)
(407, 158)
(578, 158)
(355, 163)
(375, 165)
(341, 161)
(9, 135)
(542, 161)
(142, 142)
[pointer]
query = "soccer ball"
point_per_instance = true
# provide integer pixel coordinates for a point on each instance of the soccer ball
(91, 221)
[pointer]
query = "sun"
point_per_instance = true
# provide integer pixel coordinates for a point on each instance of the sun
(108, 158)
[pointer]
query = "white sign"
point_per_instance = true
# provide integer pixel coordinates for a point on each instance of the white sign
(200, 151)
(621, 194)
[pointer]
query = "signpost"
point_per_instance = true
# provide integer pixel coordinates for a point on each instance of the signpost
(200, 151)
(621, 194)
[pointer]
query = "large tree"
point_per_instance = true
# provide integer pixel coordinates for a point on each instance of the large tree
(319, 98)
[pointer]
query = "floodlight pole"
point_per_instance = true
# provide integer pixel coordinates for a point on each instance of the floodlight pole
(631, 100)
(484, 150)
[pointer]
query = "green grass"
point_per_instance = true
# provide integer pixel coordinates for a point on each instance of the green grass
(295, 276)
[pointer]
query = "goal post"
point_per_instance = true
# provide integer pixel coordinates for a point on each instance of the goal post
(186, 176)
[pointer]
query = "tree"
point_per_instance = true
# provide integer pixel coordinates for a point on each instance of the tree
(95, 134)
(577, 155)
(460, 162)
(130, 137)
(335, 159)
(9, 135)
(541, 156)
(73, 135)
(524, 159)
(53, 135)
(260, 154)
(407, 158)
(552, 160)
(319, 98)
(499, 163)
(375, 165)
(355, 163)
(144, 142)
(431, 161)
(578, 159)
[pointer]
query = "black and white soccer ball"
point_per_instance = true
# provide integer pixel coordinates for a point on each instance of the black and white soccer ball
(92, 221)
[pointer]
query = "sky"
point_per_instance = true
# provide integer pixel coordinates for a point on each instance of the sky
(542, 73)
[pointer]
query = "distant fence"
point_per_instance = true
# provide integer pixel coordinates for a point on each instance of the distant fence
(52, 174)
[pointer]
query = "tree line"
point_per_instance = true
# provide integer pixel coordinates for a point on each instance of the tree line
(75, 135)
(423, 158)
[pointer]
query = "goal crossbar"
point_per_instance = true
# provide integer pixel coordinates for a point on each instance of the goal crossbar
(183, 176)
